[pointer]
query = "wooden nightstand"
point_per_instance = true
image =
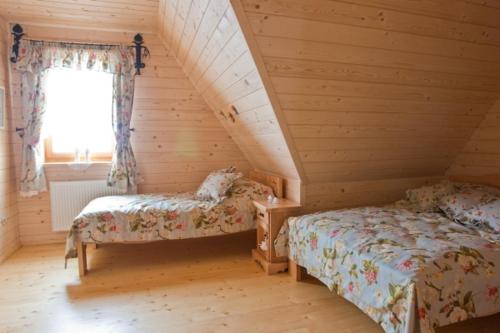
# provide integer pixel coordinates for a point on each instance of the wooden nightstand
(270, 217)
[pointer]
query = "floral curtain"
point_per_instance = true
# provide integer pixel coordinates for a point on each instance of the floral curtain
(35, 59)
(123, 174)
(33, 100)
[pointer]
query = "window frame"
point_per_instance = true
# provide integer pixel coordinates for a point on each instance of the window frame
(52, 157)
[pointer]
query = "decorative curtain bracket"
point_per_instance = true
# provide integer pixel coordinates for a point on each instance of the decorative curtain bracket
(235, 110)
(20, 131)
(17, 32)
(140, 52)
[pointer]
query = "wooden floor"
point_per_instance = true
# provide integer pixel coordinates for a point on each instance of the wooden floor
(208, 285)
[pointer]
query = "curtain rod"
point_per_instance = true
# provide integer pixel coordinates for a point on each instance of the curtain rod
(69, 42)
(141, 51)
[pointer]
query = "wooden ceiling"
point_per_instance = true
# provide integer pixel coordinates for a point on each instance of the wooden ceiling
(207, 41)
(371, 97)
(122, 15)
(381, 90)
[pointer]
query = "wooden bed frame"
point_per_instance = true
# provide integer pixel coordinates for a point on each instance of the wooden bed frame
(296, 271)
(273, 181)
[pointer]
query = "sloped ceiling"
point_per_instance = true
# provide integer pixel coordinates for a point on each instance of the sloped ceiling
(207, 40)
(122, 15)
(377, 90)
(357, 94)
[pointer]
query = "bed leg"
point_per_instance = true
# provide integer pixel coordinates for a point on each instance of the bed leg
(81, 249)
(297, 272)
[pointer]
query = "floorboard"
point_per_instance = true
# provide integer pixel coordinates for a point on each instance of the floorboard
(207, 285)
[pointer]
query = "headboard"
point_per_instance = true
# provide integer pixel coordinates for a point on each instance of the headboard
(273, 181)
(491, 180)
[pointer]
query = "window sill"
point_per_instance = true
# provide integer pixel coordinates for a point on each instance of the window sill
(76, 163)
(80, 166)
(69, 163)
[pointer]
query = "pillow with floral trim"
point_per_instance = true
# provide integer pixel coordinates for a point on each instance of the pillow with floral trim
(217, 183)
(249, 188)
(486, 215)
(230, 169)
(457, 206)
(477, 187)
(426, 198)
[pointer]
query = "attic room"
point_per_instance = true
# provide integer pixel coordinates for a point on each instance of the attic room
(216, 165)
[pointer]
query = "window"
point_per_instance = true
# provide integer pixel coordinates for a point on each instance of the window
(78, 118)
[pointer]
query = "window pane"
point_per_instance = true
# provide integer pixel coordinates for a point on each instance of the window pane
(79, 105)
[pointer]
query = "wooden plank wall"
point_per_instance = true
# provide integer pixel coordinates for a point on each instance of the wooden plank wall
(481, 155)
(206, 38)
(380, 92)
(120, 15)
(177, 141)
(9, 228)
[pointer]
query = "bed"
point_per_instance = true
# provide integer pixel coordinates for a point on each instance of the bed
(155, 217)
(405, 269)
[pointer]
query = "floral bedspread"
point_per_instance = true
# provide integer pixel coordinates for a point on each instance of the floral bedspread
(406, 270)
(133, 218)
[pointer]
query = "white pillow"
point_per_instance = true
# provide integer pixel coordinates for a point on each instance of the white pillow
(217, 183)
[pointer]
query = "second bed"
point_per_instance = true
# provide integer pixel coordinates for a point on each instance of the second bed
(406, 269)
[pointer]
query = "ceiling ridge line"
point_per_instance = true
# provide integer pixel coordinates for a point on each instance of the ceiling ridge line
(268, 87)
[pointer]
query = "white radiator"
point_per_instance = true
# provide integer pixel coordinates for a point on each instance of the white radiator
(67, 199)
